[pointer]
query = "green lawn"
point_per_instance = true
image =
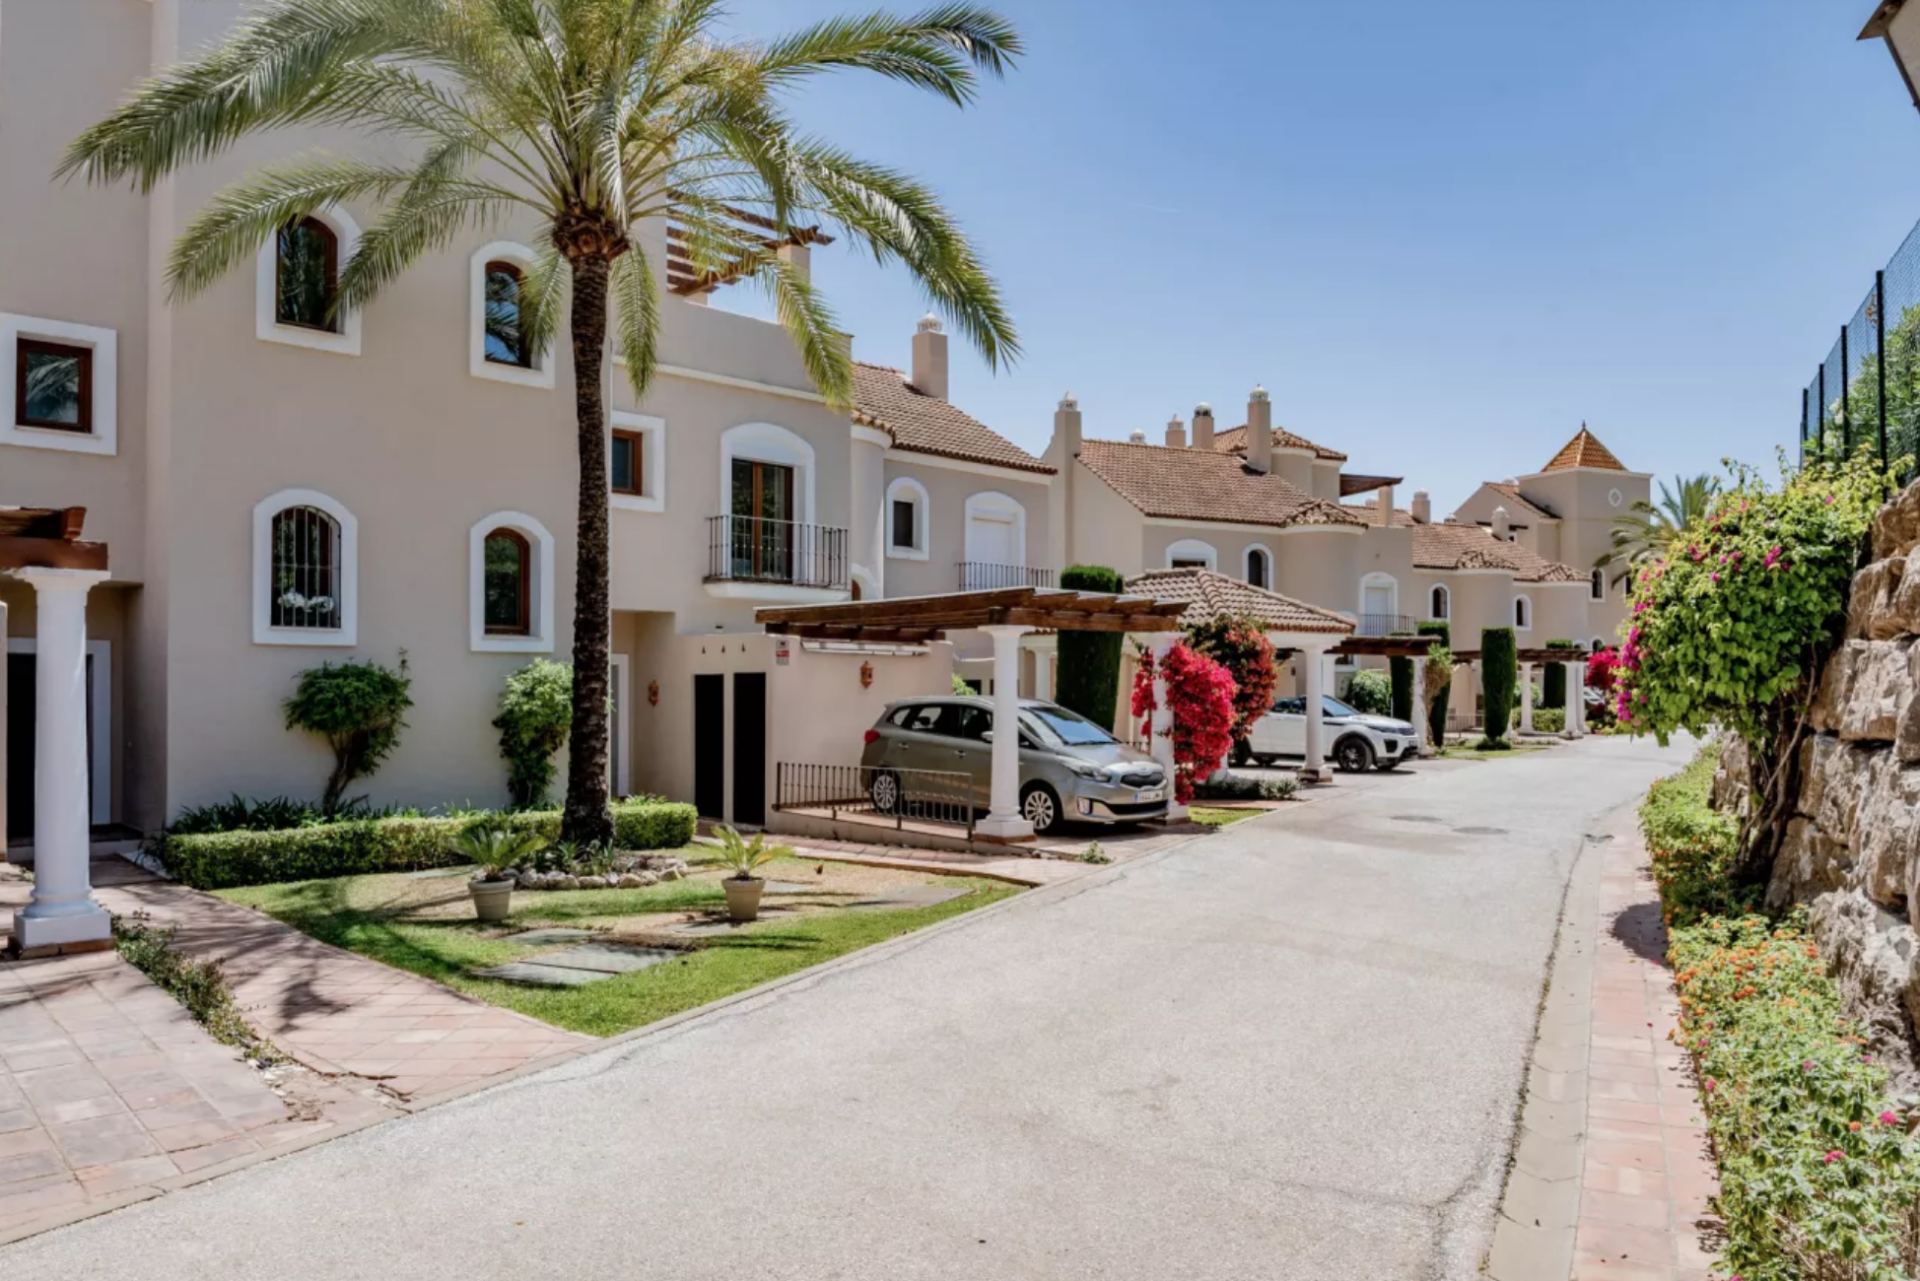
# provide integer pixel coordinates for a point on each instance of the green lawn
(1468, 752)
(424, 925)
(1218, 817)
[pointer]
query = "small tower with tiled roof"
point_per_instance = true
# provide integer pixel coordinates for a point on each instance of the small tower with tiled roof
(1584, 450)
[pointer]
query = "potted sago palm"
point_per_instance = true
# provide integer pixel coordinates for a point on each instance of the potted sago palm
(494, 852)
(742, 858)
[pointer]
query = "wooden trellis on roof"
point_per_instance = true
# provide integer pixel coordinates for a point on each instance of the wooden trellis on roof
(684, 276)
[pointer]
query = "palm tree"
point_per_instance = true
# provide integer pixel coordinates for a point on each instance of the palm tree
(597, 117)
(1647, 531)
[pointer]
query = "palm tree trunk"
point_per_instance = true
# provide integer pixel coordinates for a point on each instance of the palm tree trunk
(587, 817)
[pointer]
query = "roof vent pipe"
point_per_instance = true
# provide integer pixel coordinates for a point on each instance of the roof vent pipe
(1203, 427)
(1137, 437)
(1176, 433)
(1422, 508)
(1502, 525)
(1260, 430)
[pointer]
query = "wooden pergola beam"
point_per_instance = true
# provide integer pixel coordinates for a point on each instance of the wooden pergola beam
(1040, 609)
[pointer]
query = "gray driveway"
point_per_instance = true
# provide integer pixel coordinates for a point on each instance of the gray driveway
(1292, 1050)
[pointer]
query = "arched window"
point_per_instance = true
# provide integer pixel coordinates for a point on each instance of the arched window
(1191, 553)
(511, 585)
(305, 579)
(1259, 567)
(909, 515)
(306, 569)
(508, 570)
(307, 275)
(1439, 603)
(1598, 580)
(1522, 614)
(505, 344)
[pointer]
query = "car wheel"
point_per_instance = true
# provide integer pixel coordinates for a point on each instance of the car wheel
(885, 791)
(1040, 806)
(1353, 755)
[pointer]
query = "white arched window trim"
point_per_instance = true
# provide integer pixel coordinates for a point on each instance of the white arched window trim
(993, 505)
(1523, 613)
(1379, 579)
(264, 632)
(1597, 585)
(541, 374)
(768, 443)
(539, 593)
(1440, 603)
(1193, 549)
(266, 325)
(1252, 552)
(907, 489)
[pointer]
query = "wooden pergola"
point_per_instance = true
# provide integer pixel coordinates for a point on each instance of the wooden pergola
(1575, 659)
(700, 265)
(42, 547)
(1006, 614)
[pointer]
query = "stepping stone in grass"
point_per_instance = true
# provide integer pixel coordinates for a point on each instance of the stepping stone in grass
(588, 963)
(532, 974)
(547, 938)
(913, 896)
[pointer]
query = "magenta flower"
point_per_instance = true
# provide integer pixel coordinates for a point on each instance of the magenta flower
(1888, 1118)
(1836, 1154)
(1807, 1066)
(1714, 577)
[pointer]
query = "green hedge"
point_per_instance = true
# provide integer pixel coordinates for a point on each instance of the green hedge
(1553, 683)
(1089, 673)
(1693, 846)
(220, 860)
(1546, 720)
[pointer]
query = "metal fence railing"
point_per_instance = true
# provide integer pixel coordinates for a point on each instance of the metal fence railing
(1382, 624)
(900, 796)
(981, 576)
(1866, 393)
(758, 550)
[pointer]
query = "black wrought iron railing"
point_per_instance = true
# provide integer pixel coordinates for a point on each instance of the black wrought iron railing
(752, 549)
(1382, 624)
(898, 796)
(1866, 393)
(982, 576)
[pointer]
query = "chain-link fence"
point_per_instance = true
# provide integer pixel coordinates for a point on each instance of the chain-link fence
(1866, 393)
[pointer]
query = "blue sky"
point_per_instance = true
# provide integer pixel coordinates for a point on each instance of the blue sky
(1442, 235)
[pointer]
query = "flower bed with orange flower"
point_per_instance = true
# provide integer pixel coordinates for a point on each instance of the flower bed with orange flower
(1819, 1169)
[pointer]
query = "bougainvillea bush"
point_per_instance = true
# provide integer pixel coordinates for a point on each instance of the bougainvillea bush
(1819, 1170)
(1239, 645)
(1729, 631)
(1200, 694)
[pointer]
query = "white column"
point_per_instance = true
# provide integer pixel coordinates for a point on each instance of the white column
(1420, 709)
(1162, 723)
(62, 911)
(1576, 699)
(1043, 653)
(1526, 698)
(1003, 821)
(1319, 666)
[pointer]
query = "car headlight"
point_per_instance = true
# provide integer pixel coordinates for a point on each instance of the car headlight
(1082, 769)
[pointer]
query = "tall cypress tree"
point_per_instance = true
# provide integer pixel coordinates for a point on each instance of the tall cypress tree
(1089, 679)
(1500, 665)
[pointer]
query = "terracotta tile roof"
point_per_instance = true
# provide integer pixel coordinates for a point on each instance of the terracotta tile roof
(924, 424)
(1234, 441)
(1192, 484)
(1210, 595)
(1451, 546)
(1511, 493)
(1584, 450)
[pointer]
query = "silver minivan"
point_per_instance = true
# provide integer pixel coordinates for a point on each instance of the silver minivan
(1070, 768)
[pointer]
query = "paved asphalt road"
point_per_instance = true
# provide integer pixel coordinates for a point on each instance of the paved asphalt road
(1291, 1050)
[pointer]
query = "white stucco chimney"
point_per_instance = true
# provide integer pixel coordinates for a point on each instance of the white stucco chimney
(1385, 499)
(930, 357)
(1422, 508)
(1176, 433)
(1502, 525)
(1203, 426)
(1260, 430)
(1066, 427)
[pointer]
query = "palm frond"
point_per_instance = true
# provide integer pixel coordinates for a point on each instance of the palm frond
(543, 298)
(939, 50)
(636, 295)
(808, 320)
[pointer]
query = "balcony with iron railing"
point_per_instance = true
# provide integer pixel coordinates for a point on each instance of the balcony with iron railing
(982, 576)
(1382, 624)
(752, 550)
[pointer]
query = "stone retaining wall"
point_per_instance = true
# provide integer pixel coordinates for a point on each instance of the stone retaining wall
(1852, 854)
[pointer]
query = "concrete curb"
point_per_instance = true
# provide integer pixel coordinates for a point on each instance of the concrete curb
(1533, 1236)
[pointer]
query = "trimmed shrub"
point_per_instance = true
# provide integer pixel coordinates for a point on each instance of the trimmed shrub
(1500, 665)
(358, 708)
(1371, 692)
(1437, 709)
(221, 860)
(1693, 846)
(1246, 787)
(1546, 720)
(1553, 682)
(1089, 679)
(1400, 677)
(536, 711)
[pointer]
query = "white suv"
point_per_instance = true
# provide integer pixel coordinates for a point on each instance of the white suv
(1356, 741)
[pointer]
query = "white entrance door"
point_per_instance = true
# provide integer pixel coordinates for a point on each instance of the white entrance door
(1379, 602)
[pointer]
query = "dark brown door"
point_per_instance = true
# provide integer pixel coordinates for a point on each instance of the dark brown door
(750, 748)
(763, 531)
(20, 703)
(710, 746)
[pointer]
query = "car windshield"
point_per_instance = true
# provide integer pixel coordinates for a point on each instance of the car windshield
(1331, 706)
(1058, 727)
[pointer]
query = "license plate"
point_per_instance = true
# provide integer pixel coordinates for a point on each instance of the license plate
(1151, 794)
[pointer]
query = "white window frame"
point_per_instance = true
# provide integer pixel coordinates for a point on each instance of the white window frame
(768, 443)
(1381, 579)
(264, 632)
(540, 373)
(1597, 586)
(1193, 549)
(266, 325)
(653, 462)
(1246, 564)
(907, 489)
(538, 640)
(1522, 607)
(1444, 594)
(991, 504)
(104, 434)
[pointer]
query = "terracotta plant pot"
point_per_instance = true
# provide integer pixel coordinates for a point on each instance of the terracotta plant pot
(492, 900)
(743, 898)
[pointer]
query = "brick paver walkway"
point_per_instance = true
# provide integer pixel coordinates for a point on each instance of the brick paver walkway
(1648, 1174)
(110, 1089)
(331, 1010)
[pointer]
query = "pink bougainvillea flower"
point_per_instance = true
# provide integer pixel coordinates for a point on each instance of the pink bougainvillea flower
(1714, 577)
(1807, 1066)
(1888, 1118)
(1711, 1085)
(1835, 1155)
